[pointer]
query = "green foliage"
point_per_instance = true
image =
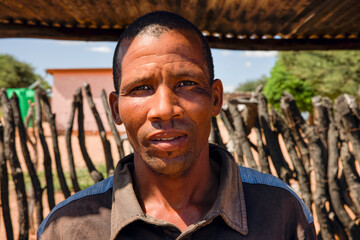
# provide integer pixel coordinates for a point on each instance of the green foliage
(330, 73)
(251, 85)
(16, 74)
(280, 81)
(82, 174)
(308, 73)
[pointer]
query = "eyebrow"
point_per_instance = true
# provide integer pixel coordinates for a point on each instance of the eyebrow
(135, 82)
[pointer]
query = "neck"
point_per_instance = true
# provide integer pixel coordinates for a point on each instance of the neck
(178, 200)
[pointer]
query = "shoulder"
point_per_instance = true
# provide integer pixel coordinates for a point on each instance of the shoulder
(274, 208)
(274, 187)
(78, 206)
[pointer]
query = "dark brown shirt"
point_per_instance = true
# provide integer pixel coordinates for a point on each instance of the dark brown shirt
(249, 205)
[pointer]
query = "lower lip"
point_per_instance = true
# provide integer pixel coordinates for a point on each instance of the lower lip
(170, 145)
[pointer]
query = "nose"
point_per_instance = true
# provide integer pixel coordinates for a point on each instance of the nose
(164, 105)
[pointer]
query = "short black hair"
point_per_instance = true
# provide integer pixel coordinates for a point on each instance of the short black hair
(155, 24)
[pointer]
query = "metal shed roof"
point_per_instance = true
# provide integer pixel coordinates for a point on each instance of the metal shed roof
(228, 24)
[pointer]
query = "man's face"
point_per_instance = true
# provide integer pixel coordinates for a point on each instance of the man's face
(166, 101)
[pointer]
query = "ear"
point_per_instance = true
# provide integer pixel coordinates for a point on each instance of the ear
(113, 101)
(217, 89)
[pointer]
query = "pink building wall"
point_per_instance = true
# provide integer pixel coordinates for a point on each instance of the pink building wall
(66, 81)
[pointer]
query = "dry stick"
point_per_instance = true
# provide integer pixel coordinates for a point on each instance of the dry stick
(217, 136)
(272, 143)
(95, 175)
(302, 146)
(241, 135)
(46, 154)
(212, 134)
(30, 117)
(105, 143)
(303, 178)
(231, 131)
(345, 106)
(345, 118)
(114, 131)
(345, 193)
(4, 181)
(334, 189)
(349, 171)
(263, 157)
(17, 175)
(291, 111)
(322, 120)
(29, 164)
(50, 118)
(351, 176)
(68, 131)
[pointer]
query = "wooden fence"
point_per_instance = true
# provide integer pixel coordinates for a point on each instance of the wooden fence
(322, 154)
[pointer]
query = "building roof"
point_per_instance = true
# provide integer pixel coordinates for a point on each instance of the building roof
(228, 24)
(77, 70)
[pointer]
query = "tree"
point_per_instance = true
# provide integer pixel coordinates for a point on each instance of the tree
(251, 85)
(330, 73)
(16, 74)
(308, 73)
(282, 80)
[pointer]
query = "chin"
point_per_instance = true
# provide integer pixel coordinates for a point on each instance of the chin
(172, 167)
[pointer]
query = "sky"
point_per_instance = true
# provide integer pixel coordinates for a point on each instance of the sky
(232, 67)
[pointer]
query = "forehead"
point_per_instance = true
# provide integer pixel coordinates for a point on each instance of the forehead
(181, 43)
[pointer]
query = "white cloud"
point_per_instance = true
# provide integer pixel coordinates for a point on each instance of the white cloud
(225, 53)
(259, 54)
(229, 88)
(70, 43)
(248, 64)
(101, 49)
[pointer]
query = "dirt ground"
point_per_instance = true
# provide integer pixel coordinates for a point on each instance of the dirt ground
(95, 150)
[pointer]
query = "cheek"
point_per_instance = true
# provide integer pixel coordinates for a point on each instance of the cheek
(200, 111)
(133, 116)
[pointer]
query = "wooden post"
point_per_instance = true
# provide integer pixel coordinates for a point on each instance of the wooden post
(217, 136)
(241, 135)
(29, 164)
(346, 107)
(321, 119)
(46, 153)
(351, 176)
(104, 141)
(114, 131)
(95, 175)
(68, 132)
(263, 156)
(30, 117)
(50, 118)
(303, 178)
(17, 175)
(291, 111)
(334, 189)
(272, 143)
(231, 131)
(4, 181)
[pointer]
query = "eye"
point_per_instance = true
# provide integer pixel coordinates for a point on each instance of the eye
(186, 83)
(142, 87)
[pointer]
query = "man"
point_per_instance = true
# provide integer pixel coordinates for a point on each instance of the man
(175, 185)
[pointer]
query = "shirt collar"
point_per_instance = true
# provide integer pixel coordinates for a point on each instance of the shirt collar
(229, 204)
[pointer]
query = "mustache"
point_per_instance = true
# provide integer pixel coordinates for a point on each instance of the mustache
(172, 124)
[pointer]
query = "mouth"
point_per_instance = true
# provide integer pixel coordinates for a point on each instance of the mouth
(166, 141)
